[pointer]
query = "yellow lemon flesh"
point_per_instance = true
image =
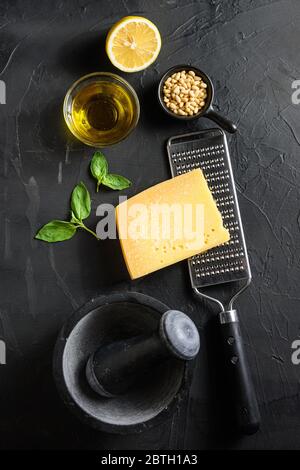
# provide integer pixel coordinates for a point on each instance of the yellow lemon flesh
(133, 43)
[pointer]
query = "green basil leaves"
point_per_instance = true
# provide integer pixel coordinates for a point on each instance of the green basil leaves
(60, 230)
(99, 170)
(56, 231)
(80, 202)
(116, 182)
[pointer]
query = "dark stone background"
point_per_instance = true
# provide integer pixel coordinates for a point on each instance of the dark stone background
(251, 50)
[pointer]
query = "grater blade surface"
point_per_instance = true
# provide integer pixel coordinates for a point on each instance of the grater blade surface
(208, 151)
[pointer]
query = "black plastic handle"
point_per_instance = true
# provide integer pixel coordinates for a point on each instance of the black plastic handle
(223, 122)
(239, 378)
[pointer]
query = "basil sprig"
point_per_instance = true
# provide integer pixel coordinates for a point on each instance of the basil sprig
(56, 231)
(60, 230)
(99, 170)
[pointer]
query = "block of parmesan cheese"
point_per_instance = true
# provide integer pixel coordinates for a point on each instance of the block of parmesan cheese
(169, 222)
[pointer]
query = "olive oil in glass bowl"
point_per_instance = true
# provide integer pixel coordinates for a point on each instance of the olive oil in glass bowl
(101, 109)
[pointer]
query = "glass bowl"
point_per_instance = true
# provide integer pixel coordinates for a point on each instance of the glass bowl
(101, 109)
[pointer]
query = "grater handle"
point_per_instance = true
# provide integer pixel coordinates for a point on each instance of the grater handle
(238, 374)
(223, 122)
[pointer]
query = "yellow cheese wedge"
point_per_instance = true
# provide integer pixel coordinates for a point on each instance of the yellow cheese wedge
(169, 222)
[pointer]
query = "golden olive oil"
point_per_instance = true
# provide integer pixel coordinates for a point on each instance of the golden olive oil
(103, 113)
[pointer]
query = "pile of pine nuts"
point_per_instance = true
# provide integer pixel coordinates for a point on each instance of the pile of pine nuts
(184, 93)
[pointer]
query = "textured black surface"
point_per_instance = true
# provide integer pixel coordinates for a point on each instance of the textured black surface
(251, 51)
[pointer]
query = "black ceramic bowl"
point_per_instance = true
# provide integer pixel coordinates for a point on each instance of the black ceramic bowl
(107, 318)
(207, 110)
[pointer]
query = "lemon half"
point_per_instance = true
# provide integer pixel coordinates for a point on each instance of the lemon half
(133, 43)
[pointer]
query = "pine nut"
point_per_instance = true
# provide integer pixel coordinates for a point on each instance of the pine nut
(184, 93)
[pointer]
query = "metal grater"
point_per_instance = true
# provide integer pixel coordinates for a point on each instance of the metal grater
(208, 150)
(227, 263)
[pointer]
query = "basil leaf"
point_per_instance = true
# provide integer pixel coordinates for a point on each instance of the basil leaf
(81, 202)
(74, 219)
(116, 182)
(99, 167)
(56, 231)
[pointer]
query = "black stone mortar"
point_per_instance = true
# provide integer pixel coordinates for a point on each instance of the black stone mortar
(101, 321)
